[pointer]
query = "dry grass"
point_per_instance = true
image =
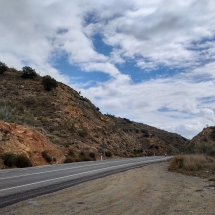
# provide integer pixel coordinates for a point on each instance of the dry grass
(198, 165)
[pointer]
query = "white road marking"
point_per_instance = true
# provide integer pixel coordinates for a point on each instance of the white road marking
(62, 169)
(39, 182)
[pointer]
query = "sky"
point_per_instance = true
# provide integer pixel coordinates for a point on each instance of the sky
(148, 61)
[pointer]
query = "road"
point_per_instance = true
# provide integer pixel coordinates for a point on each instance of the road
(20, 184)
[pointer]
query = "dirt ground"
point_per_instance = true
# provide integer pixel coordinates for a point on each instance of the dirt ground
(148, 190)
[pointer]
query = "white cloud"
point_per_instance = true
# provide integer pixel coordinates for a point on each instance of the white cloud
(176, 34)
(177, 104)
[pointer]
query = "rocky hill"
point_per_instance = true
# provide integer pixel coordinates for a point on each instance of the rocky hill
(203, 143)
(74, 125)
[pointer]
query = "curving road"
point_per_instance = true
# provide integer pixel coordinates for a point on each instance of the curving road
(20, 184)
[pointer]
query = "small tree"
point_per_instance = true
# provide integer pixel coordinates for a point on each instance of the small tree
(3, 68)
(28, 73)
(49, 83)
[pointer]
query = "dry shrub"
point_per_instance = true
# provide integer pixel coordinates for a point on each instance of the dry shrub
(108, 153)
(188, 162)
(194, 162)
(46, 156)
(69, 160)
(92, 155)
(71, 153)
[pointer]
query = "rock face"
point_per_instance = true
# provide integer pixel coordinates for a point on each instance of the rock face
(24, 140)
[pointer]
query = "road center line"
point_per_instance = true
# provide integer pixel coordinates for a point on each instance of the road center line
(39, 182)
(60, 170)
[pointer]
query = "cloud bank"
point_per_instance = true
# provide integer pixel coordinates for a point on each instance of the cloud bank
(173, 39)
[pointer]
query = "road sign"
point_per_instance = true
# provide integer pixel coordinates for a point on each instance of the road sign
(104, 146)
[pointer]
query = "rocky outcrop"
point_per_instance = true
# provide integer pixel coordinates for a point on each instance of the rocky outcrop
(24, 140)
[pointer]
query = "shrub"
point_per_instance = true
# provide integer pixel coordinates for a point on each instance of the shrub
(207, 149)
(68, 160)
(21, 161)
(146, 135)
(108, 153)
(70, 152)
(84, 158)
(45, 101)
(82, 153)
(187, 162)
(7, 113)
(49, 83)
(92, 155)
(46, 156)
(3, 68)
(28, 73)
(82, 133)
(127, 120)
(213, 133)
(8, 159)
(30, 100)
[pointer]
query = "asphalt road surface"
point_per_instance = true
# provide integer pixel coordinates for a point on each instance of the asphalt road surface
(20, 184)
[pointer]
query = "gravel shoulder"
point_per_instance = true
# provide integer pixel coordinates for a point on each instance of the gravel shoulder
(148, 190)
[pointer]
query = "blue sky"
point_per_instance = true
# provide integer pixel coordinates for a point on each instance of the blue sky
(148, 61)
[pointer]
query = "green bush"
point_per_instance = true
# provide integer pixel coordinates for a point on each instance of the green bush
(8, 159)
(21, 161)
(49, 83)
(28, 73)
(3, 68)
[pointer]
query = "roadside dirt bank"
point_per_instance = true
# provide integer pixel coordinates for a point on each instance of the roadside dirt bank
(148, 190)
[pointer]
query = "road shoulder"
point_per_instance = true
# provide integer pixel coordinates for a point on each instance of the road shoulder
(148, 190)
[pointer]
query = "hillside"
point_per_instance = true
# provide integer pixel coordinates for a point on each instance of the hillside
(204, 142)
(75, 125)
(23, 140)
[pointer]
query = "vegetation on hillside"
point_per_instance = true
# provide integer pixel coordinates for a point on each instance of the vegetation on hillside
(203, 143)
(3, 68)
(19, 161)
(71, 121)
(28, 73)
